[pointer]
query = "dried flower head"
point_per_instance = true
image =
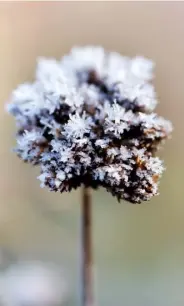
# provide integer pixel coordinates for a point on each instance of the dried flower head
(88, 119)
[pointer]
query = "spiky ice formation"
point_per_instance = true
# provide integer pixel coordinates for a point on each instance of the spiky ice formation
(88, 119)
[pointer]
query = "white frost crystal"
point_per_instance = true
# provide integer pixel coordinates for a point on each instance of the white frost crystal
(88, 119)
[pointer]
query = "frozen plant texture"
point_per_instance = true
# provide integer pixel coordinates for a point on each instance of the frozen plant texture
(88, 119)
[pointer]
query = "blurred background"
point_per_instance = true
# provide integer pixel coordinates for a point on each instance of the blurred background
(139, 249)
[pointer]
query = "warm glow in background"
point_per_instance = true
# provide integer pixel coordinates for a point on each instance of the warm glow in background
(139, 249)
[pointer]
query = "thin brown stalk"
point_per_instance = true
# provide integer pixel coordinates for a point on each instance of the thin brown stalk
(87, 258)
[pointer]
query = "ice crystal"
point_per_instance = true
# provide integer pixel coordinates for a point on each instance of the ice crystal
(88, 119)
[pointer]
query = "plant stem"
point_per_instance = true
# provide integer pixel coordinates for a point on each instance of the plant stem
(87, 260)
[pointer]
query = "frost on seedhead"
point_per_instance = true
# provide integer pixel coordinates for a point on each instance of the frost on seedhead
(88, 119)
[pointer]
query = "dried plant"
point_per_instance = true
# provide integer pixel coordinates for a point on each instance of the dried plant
(88, 120)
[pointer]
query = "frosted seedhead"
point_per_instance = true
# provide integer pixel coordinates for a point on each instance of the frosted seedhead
(88, 119)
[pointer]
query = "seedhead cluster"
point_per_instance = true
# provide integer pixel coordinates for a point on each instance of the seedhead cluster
(88, 119)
